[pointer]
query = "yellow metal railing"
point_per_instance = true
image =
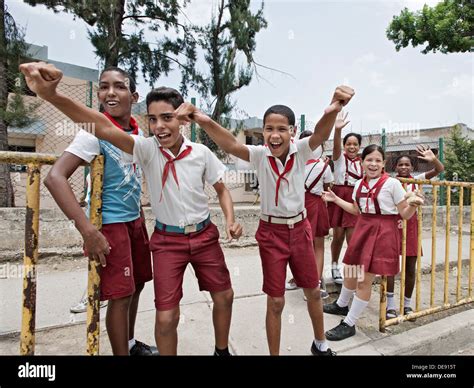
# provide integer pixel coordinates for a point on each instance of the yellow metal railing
(30, 258)
(460, 300)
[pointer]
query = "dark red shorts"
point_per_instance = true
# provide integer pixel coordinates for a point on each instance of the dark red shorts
(129, 261)
(279, 246)
(171, 254)
(337, 216)
(317, 214)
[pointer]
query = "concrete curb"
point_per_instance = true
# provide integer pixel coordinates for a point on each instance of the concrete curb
(442, 337)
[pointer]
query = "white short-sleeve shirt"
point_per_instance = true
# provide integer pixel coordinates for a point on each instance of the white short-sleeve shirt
(391, 194)
(291, 193)
(340, 170)
(188, 203)
(314, 167)
(413, 186)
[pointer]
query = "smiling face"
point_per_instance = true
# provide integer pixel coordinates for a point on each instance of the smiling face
(163, 124)
(115, 96)
(351, 147)
(404, 167)
(277, 134)
(373, 165)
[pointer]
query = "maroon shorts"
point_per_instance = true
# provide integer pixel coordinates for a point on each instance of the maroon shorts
(279, 246)
(317, 214)
(171, 254)
(337, 216)
(375, 245)
(129, 260)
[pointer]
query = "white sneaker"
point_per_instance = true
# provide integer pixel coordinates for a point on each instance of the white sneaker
(324, 293)
(291, 285)
(336, 276)
(81, 307)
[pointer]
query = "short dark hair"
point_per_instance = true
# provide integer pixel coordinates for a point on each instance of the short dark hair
(305, 133)
(371, 148)
(403, 156)
(356, 135)
(280, 110)
(132, 83)
(169, 95)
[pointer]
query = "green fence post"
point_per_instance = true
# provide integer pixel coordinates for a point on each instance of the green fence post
(384, 139)
(302, 123)
(442, 176)
(193, 124)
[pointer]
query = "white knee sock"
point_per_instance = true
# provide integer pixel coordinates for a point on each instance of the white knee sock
(391, 301)
(407, 302)
(344, 297)
(357, 308)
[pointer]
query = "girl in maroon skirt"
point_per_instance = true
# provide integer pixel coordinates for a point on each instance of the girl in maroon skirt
(347, 170)
(404, 168)
(375, 244)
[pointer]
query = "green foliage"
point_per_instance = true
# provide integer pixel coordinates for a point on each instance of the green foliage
(229, 36)
(459, 157)
(459, 162)
(129, 49)
(447, 27)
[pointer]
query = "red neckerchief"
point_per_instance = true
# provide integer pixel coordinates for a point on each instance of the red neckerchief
(311, 161)
(413, 185)
(371, 192)
(133, 124)
(316, 180)
(170, 164)
(350, 173)
(281, 176)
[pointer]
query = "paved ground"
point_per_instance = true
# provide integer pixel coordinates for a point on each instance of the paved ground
(61, 282)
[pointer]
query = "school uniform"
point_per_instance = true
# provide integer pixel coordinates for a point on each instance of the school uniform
(412, 224)
(129, 261)
(183, 231)
(346, 173)
(375, 243)
(284, 233)
(317, 173)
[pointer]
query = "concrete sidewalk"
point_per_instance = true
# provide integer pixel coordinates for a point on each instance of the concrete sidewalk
(62, 282)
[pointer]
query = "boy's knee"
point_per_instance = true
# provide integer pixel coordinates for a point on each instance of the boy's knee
(224, 298)
(276, 305)
(167, 321)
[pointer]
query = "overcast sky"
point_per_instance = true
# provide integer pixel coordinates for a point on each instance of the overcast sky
(321, 44)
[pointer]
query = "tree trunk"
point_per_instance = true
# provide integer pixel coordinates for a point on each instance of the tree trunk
(114, 37)
(6, 190)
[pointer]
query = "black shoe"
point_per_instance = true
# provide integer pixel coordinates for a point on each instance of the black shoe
(334, 308)
(340, 332)
(223, 353)
(141, 349)
(407, 311)
(316, 352)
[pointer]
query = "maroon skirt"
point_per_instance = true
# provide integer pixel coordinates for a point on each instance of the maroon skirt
(317, 214)
(375, 244)
(337, 216)
(412, 235)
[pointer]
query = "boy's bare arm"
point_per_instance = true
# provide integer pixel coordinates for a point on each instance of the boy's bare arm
(322, 130)
(57, 183)
(221, 136)
(43, 79)
(233, 229)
